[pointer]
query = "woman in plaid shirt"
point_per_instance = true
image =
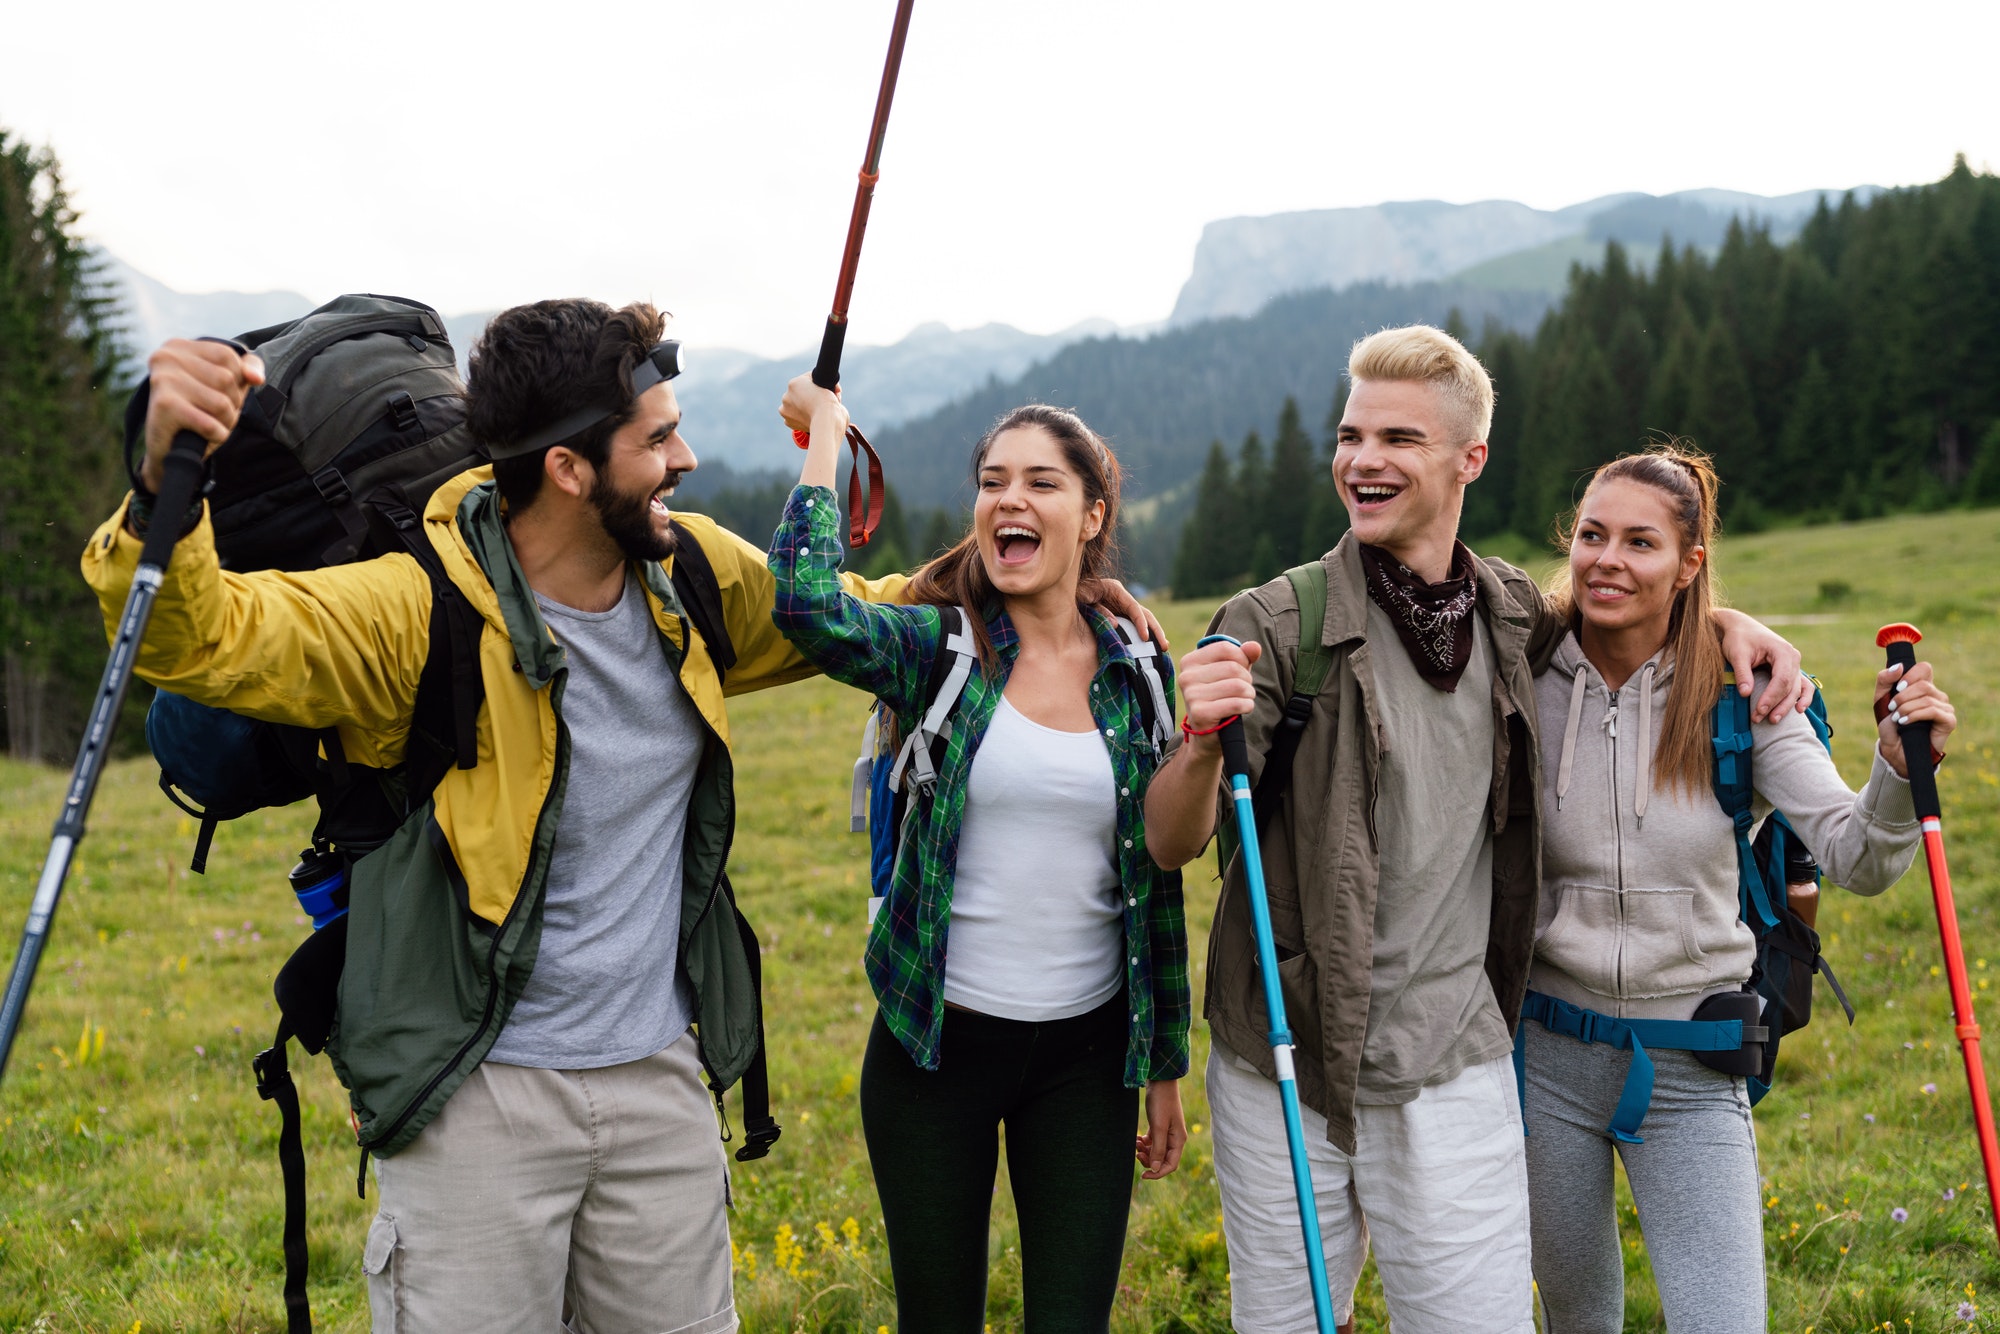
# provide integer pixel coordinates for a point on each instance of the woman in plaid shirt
(1065, 987)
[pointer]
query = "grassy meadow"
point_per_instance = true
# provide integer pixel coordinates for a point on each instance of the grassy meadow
(141, 1190)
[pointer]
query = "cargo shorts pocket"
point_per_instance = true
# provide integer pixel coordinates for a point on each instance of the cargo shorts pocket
(378, 1262)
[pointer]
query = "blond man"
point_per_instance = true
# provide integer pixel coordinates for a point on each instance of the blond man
(1402, 864)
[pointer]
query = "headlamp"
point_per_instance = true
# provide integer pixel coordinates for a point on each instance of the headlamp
(661, 364)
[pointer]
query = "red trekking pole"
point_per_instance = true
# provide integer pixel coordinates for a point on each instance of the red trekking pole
(861, 521)
(1900, 641)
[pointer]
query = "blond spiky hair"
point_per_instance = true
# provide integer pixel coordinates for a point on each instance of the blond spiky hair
(1430, 356)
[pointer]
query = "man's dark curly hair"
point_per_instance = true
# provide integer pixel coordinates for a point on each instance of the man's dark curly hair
(540, 362)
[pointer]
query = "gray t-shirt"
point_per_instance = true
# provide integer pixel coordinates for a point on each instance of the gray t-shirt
(1431, 1010)
(607, 986)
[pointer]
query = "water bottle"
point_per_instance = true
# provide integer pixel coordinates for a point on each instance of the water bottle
(320, 881)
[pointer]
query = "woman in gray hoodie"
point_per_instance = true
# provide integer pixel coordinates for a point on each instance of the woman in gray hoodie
(1638, 916)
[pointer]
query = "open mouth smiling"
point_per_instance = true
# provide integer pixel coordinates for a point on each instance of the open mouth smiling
(1016, 545)
(659, 503)
(1370, 497)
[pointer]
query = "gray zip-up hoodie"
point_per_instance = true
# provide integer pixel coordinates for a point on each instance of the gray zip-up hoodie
(1638, 910)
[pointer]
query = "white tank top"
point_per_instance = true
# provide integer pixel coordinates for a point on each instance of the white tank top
(1036, 929)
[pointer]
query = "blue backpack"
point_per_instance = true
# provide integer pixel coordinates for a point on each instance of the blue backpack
(1769, 860)
(1736, 1032)
(892, 768)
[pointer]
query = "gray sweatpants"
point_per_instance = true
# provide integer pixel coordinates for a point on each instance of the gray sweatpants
(1694, 1180)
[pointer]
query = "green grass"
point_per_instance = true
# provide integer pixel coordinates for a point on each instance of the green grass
(141, 1186)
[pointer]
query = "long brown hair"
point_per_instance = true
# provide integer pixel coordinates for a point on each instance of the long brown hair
(958, 577)
(1685, 754)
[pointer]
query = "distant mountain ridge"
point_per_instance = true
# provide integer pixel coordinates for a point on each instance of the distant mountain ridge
(1495, 258)
(731, 396)
(1241, 263)
(1163, 398)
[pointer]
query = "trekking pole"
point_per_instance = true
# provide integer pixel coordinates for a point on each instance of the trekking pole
(183, 470)
(1900, 641)
(1236, 764)
(861, 522)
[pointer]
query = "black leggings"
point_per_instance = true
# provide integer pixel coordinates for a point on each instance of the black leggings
(933, 1142)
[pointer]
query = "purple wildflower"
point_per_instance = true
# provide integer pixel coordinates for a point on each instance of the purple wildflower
(1950, 1194)
(200, 1050)
(1930, 1088)
(1869, 1117)
(1966, 1310)
(1899, 1215)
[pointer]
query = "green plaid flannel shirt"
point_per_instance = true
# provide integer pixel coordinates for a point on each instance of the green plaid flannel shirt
(888, 650)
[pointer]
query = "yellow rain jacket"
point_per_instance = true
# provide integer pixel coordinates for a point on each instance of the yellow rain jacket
(445, 918)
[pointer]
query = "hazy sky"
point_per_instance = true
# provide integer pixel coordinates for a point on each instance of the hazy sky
(1048, 160)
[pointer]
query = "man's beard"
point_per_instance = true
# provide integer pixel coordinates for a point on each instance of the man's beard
(628, 520)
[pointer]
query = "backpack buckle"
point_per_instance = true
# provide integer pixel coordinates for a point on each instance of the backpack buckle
(333, 488)
(271, 1071)
(758, 1139)
(402, 411)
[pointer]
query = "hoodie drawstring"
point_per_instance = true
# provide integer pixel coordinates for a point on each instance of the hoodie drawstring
(1569, 737)
(1645, 739)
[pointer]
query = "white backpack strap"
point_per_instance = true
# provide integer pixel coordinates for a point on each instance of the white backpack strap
(1146, 654)
(864, 770)
(915, 757)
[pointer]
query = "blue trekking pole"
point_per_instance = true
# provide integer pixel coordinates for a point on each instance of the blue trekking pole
(1236, 764)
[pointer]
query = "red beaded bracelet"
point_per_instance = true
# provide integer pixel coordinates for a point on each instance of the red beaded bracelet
(1208, 731)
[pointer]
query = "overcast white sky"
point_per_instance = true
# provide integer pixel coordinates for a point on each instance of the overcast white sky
(1048, 160)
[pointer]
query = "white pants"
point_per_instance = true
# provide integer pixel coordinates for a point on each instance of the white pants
(599, 1194)
(1440, 1184)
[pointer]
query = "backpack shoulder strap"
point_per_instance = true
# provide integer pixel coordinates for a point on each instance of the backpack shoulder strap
(1154, 714)
(950, 670)
(1732, 741)
(701, 598)
(1309, 675)
(444, 724)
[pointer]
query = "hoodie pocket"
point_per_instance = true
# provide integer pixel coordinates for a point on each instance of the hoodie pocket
(1582, 938)
(1663, 953)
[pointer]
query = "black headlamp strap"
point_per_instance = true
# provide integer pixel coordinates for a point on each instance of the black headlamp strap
(661, 364)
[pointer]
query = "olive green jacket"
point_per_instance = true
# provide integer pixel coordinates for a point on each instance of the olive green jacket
(1321, 860)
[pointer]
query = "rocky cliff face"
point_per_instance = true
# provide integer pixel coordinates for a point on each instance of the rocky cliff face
(1242, 263)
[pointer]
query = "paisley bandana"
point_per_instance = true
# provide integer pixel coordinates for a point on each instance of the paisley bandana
(1434, 621)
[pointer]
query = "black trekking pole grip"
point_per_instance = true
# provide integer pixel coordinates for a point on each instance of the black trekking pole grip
(1916, 737)
(826, 371)
(180, 480)
(1235, 749)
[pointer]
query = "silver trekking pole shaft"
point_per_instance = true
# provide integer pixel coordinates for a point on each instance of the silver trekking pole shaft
(177, 491)
(1236, 765)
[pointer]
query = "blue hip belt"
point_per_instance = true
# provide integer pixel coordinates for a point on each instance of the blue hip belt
(1635, 1035)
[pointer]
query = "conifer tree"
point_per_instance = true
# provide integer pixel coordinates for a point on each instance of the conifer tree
(1202, 565)
(58, 453)
(1815, 431)
(1253, 476)
(1326, 514)
(1723, 421)
(1287, 493)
